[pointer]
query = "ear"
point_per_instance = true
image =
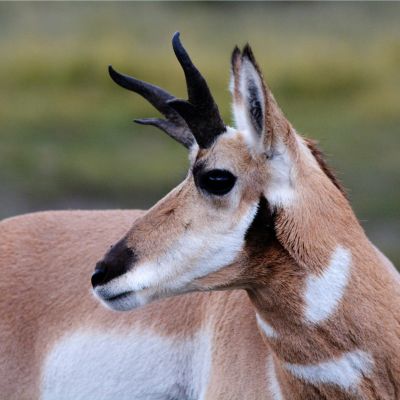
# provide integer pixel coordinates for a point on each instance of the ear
(255, 110)
(249, 95)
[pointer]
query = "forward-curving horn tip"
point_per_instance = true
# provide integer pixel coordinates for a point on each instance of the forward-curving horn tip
(197, 118)
(176, 41)
(111, 71)
(118, 78)
(175, 36)
(173, 125)
(200, 111)
(180, 52)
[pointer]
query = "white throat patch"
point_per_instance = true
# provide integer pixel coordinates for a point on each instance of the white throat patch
(345, 372)
(324, 292)
(281, 191)
(266, 328)
(274, 386)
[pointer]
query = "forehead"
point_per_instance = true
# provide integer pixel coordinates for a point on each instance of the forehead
(230, 151)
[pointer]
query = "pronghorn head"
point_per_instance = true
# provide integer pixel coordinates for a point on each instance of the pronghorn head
(243, 186)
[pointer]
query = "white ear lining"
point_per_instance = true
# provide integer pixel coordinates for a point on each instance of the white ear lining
(238, 109)
(251, 88)
(249, 108)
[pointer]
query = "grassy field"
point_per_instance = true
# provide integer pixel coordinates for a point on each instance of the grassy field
(67, 138)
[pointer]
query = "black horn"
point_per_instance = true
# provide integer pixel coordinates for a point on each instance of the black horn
(200, 111)
(174, 125)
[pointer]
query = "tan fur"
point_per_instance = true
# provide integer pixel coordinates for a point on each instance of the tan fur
(46, 260)
(43, 251)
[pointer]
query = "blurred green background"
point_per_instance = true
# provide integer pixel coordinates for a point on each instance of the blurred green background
(67, 139)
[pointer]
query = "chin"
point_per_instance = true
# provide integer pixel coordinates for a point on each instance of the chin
(119, 298)
(125, 301)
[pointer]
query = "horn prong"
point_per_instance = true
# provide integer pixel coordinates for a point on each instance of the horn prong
(198, 117)
(181, 135)
(174, 125)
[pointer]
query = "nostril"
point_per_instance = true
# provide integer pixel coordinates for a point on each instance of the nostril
(98, 275)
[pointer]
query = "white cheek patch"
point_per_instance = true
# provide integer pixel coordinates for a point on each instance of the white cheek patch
(266, 328)
(345, 372)
(324, 293)
(280, 191)
(192, 256)
(140, 365)
(274, 386)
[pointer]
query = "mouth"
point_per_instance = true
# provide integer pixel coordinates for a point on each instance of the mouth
(118, 297)
(123, 301)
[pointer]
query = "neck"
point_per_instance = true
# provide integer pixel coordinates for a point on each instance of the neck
(325, 328)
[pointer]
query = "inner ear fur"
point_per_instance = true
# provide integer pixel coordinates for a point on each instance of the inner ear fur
(254, 107)
(249, 92)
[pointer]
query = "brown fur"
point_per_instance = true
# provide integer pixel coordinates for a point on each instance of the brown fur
(46, 260)
(36, 257)
(274, 266)
(319, 156)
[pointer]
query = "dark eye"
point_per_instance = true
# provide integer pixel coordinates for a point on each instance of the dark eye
(217, 181)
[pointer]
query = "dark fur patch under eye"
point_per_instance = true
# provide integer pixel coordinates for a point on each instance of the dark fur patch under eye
(261, 231)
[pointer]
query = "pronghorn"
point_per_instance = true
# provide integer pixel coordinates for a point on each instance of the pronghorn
(317, 314)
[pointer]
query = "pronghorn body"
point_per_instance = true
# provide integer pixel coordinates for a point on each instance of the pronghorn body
(259, 210)
(65, 345)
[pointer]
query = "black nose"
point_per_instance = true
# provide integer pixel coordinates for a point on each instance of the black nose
(99, 275)
(118, 260)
